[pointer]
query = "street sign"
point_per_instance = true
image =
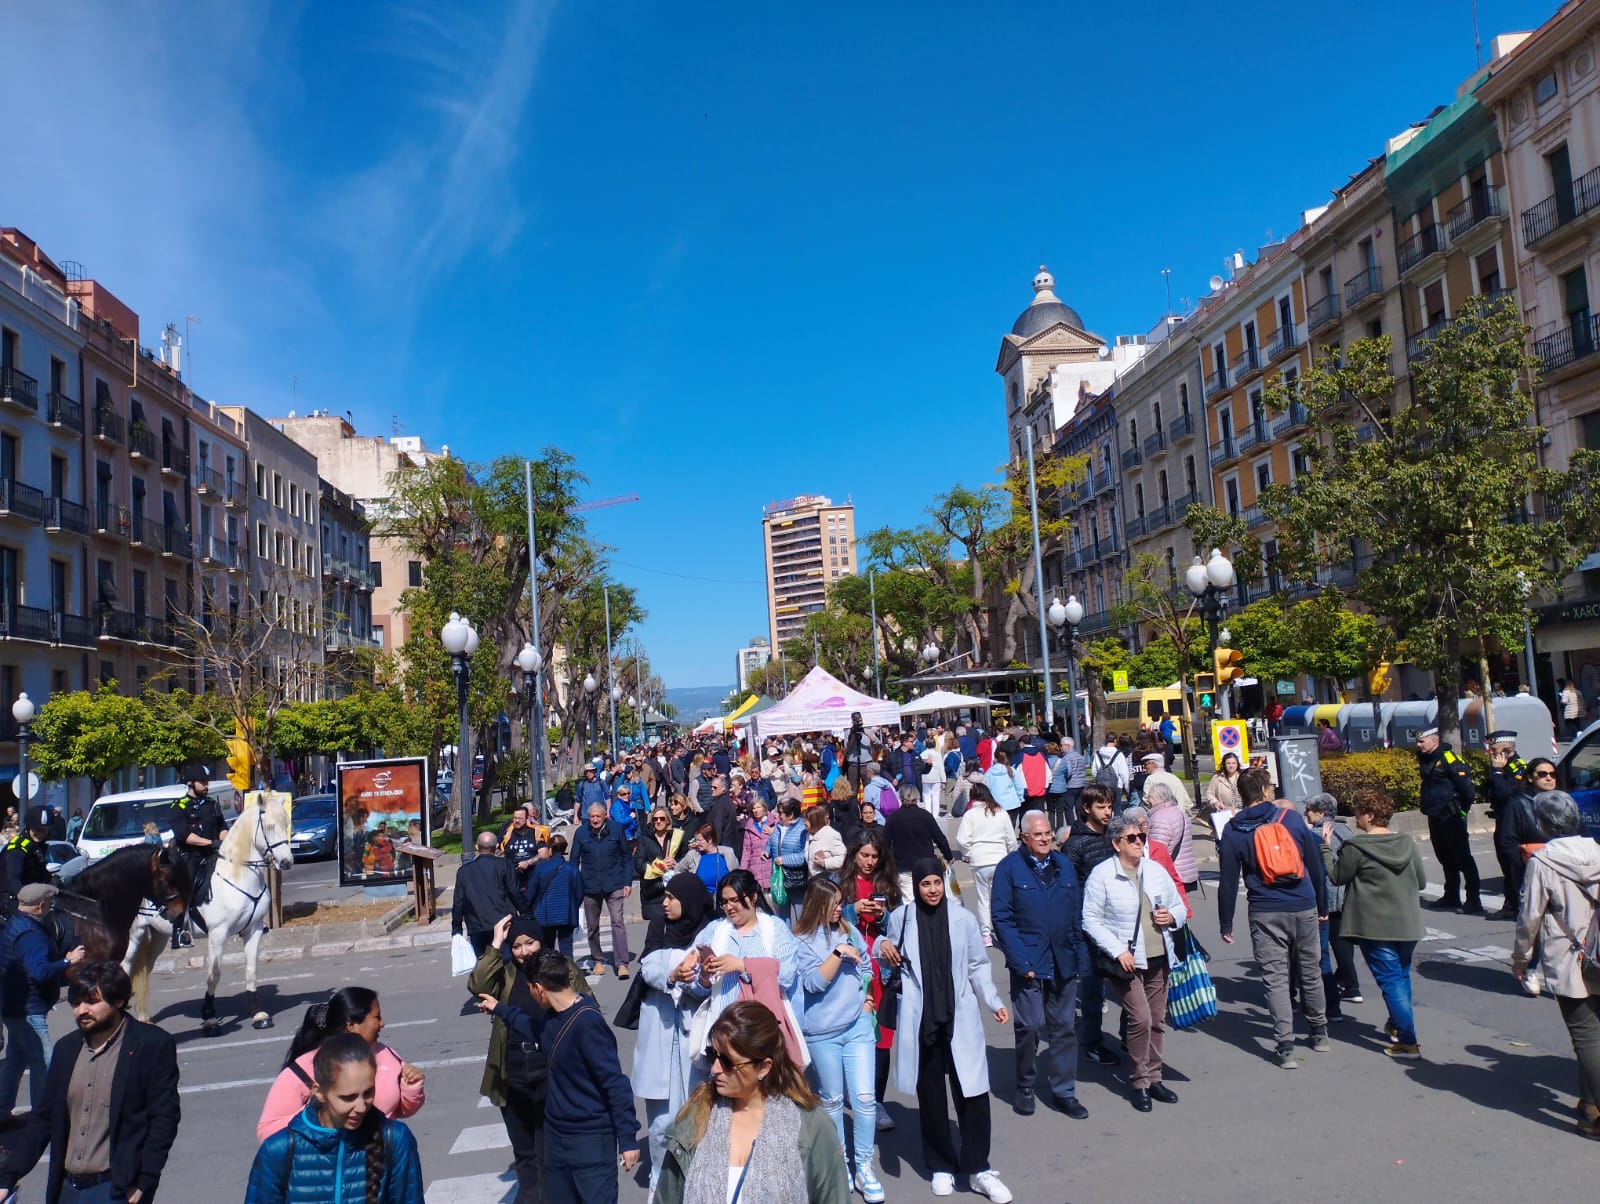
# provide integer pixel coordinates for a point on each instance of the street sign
(30, 787)
(1229, 736)
(1285, 688)
(1299, 767)
(1119, 679)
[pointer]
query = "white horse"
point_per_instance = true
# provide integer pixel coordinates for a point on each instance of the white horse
(239, 906)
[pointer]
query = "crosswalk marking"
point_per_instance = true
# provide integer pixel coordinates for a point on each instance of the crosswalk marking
(474, 1189)
(481, 1137)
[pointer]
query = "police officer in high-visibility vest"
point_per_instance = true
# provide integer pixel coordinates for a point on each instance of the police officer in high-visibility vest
(1511, 805)
(1445, 799)
(22, 862)
(197, 831)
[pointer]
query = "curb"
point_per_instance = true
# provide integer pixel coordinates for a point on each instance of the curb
(319, 944)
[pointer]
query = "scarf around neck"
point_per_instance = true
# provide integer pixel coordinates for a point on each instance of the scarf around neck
(933, 955)
(775, 1169)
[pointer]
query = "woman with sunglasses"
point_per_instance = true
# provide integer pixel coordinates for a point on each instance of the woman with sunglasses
(750, 954)
(662, 845)
(754, 1133)
(1131, 906)
(1514, 824)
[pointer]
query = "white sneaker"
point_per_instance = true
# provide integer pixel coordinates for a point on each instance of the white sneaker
(988, 1183)
(944, 1183)
(1533, 984)
(885, 1122)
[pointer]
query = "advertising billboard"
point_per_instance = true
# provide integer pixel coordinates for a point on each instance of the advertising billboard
(382, 805)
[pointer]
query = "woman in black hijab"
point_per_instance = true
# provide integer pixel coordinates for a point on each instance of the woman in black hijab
(946, 971)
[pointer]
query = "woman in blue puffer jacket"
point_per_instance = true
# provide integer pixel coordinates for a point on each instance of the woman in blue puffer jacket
(341, 1149)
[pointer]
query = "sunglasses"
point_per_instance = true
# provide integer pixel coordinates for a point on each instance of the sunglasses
(714, 1058)
(1544, 773)
(1135, 836)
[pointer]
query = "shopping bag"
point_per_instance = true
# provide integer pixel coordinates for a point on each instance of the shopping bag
(462, 959)
(1191, 995)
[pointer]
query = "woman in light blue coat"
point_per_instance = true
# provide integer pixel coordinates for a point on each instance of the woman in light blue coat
(663, 1063)
(945, 972)
(1131, 908)
(1004, 785)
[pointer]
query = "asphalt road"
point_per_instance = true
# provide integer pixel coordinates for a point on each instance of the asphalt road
(1487, 1114)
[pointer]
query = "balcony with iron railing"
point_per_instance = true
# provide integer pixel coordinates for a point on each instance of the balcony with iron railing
(154, 376)
(1103, 480)
(1323, 310)
(1095, 621)
(1180, 427)
(1283, 342)
(1255, 517)
(213, 551)
(1135, 527)
(141, 441)
(1363, 287)
(112, 520)
(1215, 383)
(1250, 436)
(235, 558)
(1564, 343)
(21, 501)
(61, 411)
(1480, 207)
(146, 533)
(62, 515)
(1131, 458)
(1565, 209)
(1155, 444)
(1417, 344)
(1246, 363)
(19, 389)
(77, 630)
(1181, 504)
(1223, 451)
(233, 495)
(1295, 415)
(18, 622)
(207, 482)
(1159, 519)
(108, 426)
(174, 459)
(1422, 246)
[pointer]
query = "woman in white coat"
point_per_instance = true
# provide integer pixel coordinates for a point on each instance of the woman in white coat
(1131, 907)
(944, 972)
(932, 776)
(986, 835)
(663, 1063)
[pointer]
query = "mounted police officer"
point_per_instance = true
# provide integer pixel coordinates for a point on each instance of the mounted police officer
(1445, 799)
(22, 862)
(197, 831)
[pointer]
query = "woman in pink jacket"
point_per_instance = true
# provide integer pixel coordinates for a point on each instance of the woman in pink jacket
(348, 1010)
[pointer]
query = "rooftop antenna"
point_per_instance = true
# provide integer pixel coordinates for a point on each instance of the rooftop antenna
(1167, 275)
(189, 322)
(1477, 42)
(294, 391)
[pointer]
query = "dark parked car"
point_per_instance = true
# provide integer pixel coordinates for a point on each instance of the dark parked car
(316, 818)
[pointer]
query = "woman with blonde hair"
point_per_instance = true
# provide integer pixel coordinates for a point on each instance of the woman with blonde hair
(754, 1132)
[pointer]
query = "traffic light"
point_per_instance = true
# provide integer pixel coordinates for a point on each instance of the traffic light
(1229, 666)
(1206, 687)
(241, 765)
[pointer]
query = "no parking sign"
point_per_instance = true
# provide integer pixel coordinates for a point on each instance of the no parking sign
(1228, 736)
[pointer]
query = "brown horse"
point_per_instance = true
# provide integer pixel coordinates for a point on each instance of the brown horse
(105, 898)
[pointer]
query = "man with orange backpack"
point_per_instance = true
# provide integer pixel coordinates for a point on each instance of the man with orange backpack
(1286, 897)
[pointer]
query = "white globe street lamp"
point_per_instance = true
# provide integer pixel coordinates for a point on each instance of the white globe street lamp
(1068, 614)
(460, 640)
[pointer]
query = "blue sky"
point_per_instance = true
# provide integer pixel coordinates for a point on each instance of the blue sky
(722, 253)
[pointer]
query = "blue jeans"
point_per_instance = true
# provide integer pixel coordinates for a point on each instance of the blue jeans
(27, 1038)
(845, 1063)
(1390, 964)
(658, 1117)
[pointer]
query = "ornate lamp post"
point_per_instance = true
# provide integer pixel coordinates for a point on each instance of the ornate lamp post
(1209, 583)
(460, 640)
(1069, 614)
(530, 662)
(23, 711)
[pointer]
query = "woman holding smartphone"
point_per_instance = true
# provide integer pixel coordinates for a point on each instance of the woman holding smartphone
(869, 891)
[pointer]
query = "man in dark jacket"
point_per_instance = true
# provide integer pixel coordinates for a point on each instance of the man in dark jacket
(604, 858)
(1284, 914)
(485, 893)
(902, 765)
(1511, 788)
(1037, 905)
(22, 860)
(721, 815)
(32, 972)
(1086, 848)
(590, 788)
(118, 1150)
(1445, 798)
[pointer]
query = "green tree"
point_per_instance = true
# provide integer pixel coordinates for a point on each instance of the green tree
(185, 729)
(1431, 500)
(93, 735)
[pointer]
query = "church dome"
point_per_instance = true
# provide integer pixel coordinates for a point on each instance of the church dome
(1046, 310)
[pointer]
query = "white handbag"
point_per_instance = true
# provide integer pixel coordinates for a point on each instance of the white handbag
(462, 959)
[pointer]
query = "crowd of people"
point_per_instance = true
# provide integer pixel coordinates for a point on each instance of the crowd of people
(806, 941)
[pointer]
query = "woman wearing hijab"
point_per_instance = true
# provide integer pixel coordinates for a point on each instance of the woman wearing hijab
(662, 1060)
(944, 972)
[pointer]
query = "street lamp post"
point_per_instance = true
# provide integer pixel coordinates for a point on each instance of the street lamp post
(1069, 615)
(23, 711)
(1038, 581)
(590, 685)
(530, 662)
(460, 640)
(1209, 583)
(606, 591)
(1527, 633)
(872, 590)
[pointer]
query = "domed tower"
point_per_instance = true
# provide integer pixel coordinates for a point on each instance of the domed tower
(1045, 336)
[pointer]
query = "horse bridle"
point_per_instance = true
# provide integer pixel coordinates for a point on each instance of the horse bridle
(259, 863)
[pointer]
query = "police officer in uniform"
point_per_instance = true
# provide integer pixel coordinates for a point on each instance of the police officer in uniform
(197, 830)
(22, 862)
(1446, 797)
(1511, 804)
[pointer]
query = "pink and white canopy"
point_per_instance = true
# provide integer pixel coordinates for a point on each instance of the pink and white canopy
(823, 703)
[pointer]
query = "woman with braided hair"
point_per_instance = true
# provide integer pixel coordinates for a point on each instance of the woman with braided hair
(340, 1149)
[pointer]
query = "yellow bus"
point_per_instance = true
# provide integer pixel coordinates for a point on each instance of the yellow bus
(1130, 711)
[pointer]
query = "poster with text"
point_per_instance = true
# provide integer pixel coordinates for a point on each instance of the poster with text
(382, 804)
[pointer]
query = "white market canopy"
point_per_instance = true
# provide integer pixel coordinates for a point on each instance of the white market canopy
(942, 700)
(823, 703)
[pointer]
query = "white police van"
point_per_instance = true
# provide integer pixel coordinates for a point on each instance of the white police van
(117, 820)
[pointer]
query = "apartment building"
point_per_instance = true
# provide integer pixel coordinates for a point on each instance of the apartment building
(347, 584)
(285, 561)
(1091, 564)
(808, 543)
(750, 658)
(361, 466)
(1544, 92)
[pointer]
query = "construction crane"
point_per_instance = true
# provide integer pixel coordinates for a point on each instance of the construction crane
(602, 503)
